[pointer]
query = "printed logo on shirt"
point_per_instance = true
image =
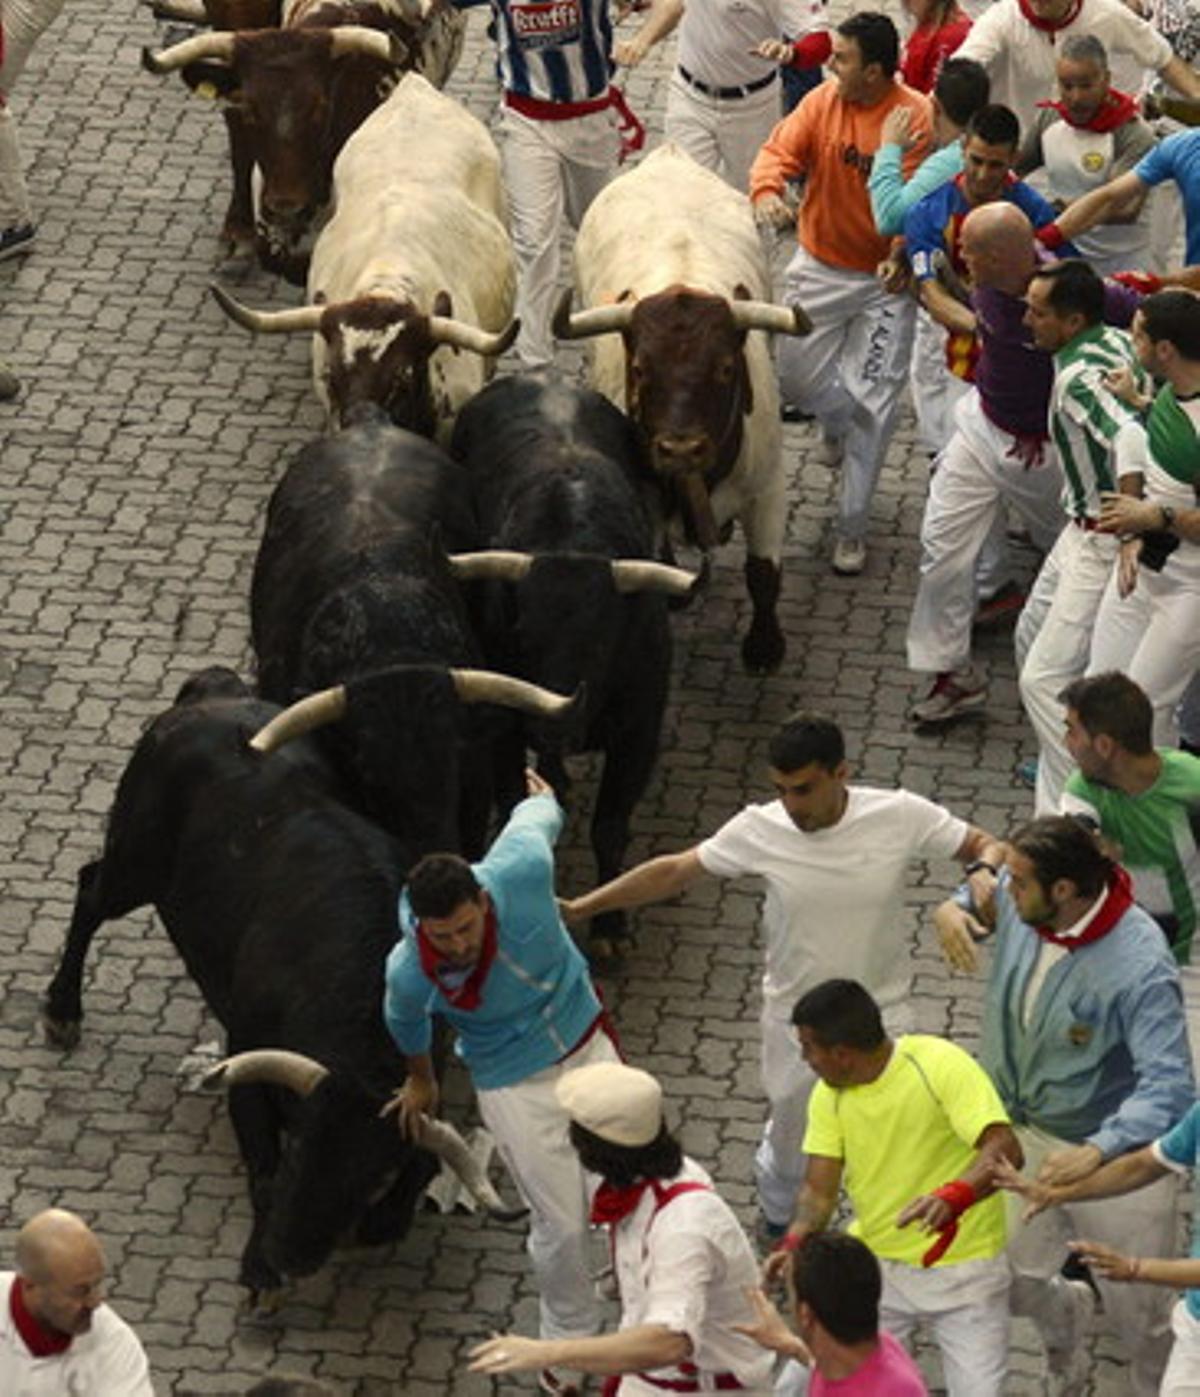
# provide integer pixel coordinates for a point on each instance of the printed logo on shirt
(852, 156)
(547, 25)
(1080, 1034)
(1093, 162)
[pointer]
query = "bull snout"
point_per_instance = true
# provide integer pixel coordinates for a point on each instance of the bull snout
(676, 452)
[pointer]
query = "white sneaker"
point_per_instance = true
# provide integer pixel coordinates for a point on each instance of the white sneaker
(849, 556)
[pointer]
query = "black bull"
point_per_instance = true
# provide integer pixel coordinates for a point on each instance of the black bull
(281, 902)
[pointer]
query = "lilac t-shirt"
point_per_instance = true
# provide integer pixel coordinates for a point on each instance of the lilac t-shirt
(888, 1371)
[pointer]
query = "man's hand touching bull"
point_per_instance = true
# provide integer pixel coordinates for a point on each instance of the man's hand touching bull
(415, 1099)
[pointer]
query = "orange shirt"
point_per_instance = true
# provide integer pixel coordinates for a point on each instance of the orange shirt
(833, 141)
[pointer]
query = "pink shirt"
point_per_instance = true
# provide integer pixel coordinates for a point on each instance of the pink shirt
(889, 1372)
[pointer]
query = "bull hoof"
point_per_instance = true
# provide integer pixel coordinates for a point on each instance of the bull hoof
(763, 654)
(235, 259)
(609, 953)
(261, 1306)
(60, 1033)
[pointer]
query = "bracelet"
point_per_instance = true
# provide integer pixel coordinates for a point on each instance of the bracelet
(1135, 1268)
(790, 1241)
(1168, 516)
(978, 866)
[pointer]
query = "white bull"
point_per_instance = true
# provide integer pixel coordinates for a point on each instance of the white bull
(415, 265)
(668, 257)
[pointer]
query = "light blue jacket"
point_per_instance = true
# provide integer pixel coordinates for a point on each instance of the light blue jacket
(537, 1001)
(1105, 1060)
(891, 197)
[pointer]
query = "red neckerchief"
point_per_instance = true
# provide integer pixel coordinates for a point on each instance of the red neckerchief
(466, 996)
(1117, 902)
(1116, 109)
(610, 1204)
(1050, 26)
(39, 1339)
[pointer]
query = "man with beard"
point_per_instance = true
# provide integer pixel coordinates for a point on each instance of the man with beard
(835, 858)
(1085, 1039)
(57, 1336)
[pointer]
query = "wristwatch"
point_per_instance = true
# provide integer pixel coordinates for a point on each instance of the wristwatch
(1168, 516)
(978, 865)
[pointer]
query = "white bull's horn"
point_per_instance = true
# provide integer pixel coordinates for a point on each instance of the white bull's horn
(635, 575)
(217, 47)
(486, 686)
(273, 1066)
(350, 39)
(315, 711)
(490, 564)
(267, 322)
(765, 315)
(444, 1141)
(600, 320)
(443, 330)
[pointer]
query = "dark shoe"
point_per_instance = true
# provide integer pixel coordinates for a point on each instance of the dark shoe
(10, 384)
(16, 240)
(1026, 772)
(550, 1382)
(950, 696)
(1002, 608)
(789, 412)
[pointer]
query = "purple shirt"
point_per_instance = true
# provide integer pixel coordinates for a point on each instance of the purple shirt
(1013, 376)
(889, 1370)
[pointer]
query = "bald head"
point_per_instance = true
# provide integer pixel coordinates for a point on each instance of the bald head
(997, 246)
(62, 1269)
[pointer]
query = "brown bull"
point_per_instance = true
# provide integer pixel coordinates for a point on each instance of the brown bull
(293, 95)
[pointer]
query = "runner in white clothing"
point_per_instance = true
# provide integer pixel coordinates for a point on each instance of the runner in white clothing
(57, 1336)
(723, 100)
(834, 858)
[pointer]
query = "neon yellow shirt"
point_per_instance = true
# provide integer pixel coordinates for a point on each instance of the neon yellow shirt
(912, 1129)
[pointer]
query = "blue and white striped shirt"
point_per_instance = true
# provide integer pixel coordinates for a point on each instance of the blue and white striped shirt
(553, 50)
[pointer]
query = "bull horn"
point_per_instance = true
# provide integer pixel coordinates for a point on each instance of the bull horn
(273, 1066)
(764, 315)
(350, 39)
(267, 322)
(486, 686)
(640, 576)
(217, 47)
(490, 564)
(443, 330)
(186, 11)
(600, 320)
(326, 706)
(443, 1140)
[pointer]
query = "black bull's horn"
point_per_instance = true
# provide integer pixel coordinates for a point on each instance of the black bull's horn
(471, 685)
(277, 1067)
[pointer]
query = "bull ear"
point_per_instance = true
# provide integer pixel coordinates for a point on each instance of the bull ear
(442, 305)
(216, 81)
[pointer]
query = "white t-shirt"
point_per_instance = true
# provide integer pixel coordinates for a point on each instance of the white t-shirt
(107, 1361)
(716, 36)
(1021, 60)
(835, 899)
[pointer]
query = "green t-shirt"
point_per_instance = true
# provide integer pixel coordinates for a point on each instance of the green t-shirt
(1157, 833)
(912, 1129)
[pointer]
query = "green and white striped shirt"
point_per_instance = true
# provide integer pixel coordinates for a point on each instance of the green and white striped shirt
(1086, 415)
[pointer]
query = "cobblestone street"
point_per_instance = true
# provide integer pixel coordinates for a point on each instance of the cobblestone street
(135, 469)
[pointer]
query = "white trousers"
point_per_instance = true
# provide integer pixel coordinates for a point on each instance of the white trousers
(849, 372)
(779, 1163)
(1182, 1378)
(1142, 1223)
(1073, 577)
(965, 1307)
(1153, 636)
(24, 22)
(531, 1134)
(723, 136)
(974, 478)
(550, 168)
